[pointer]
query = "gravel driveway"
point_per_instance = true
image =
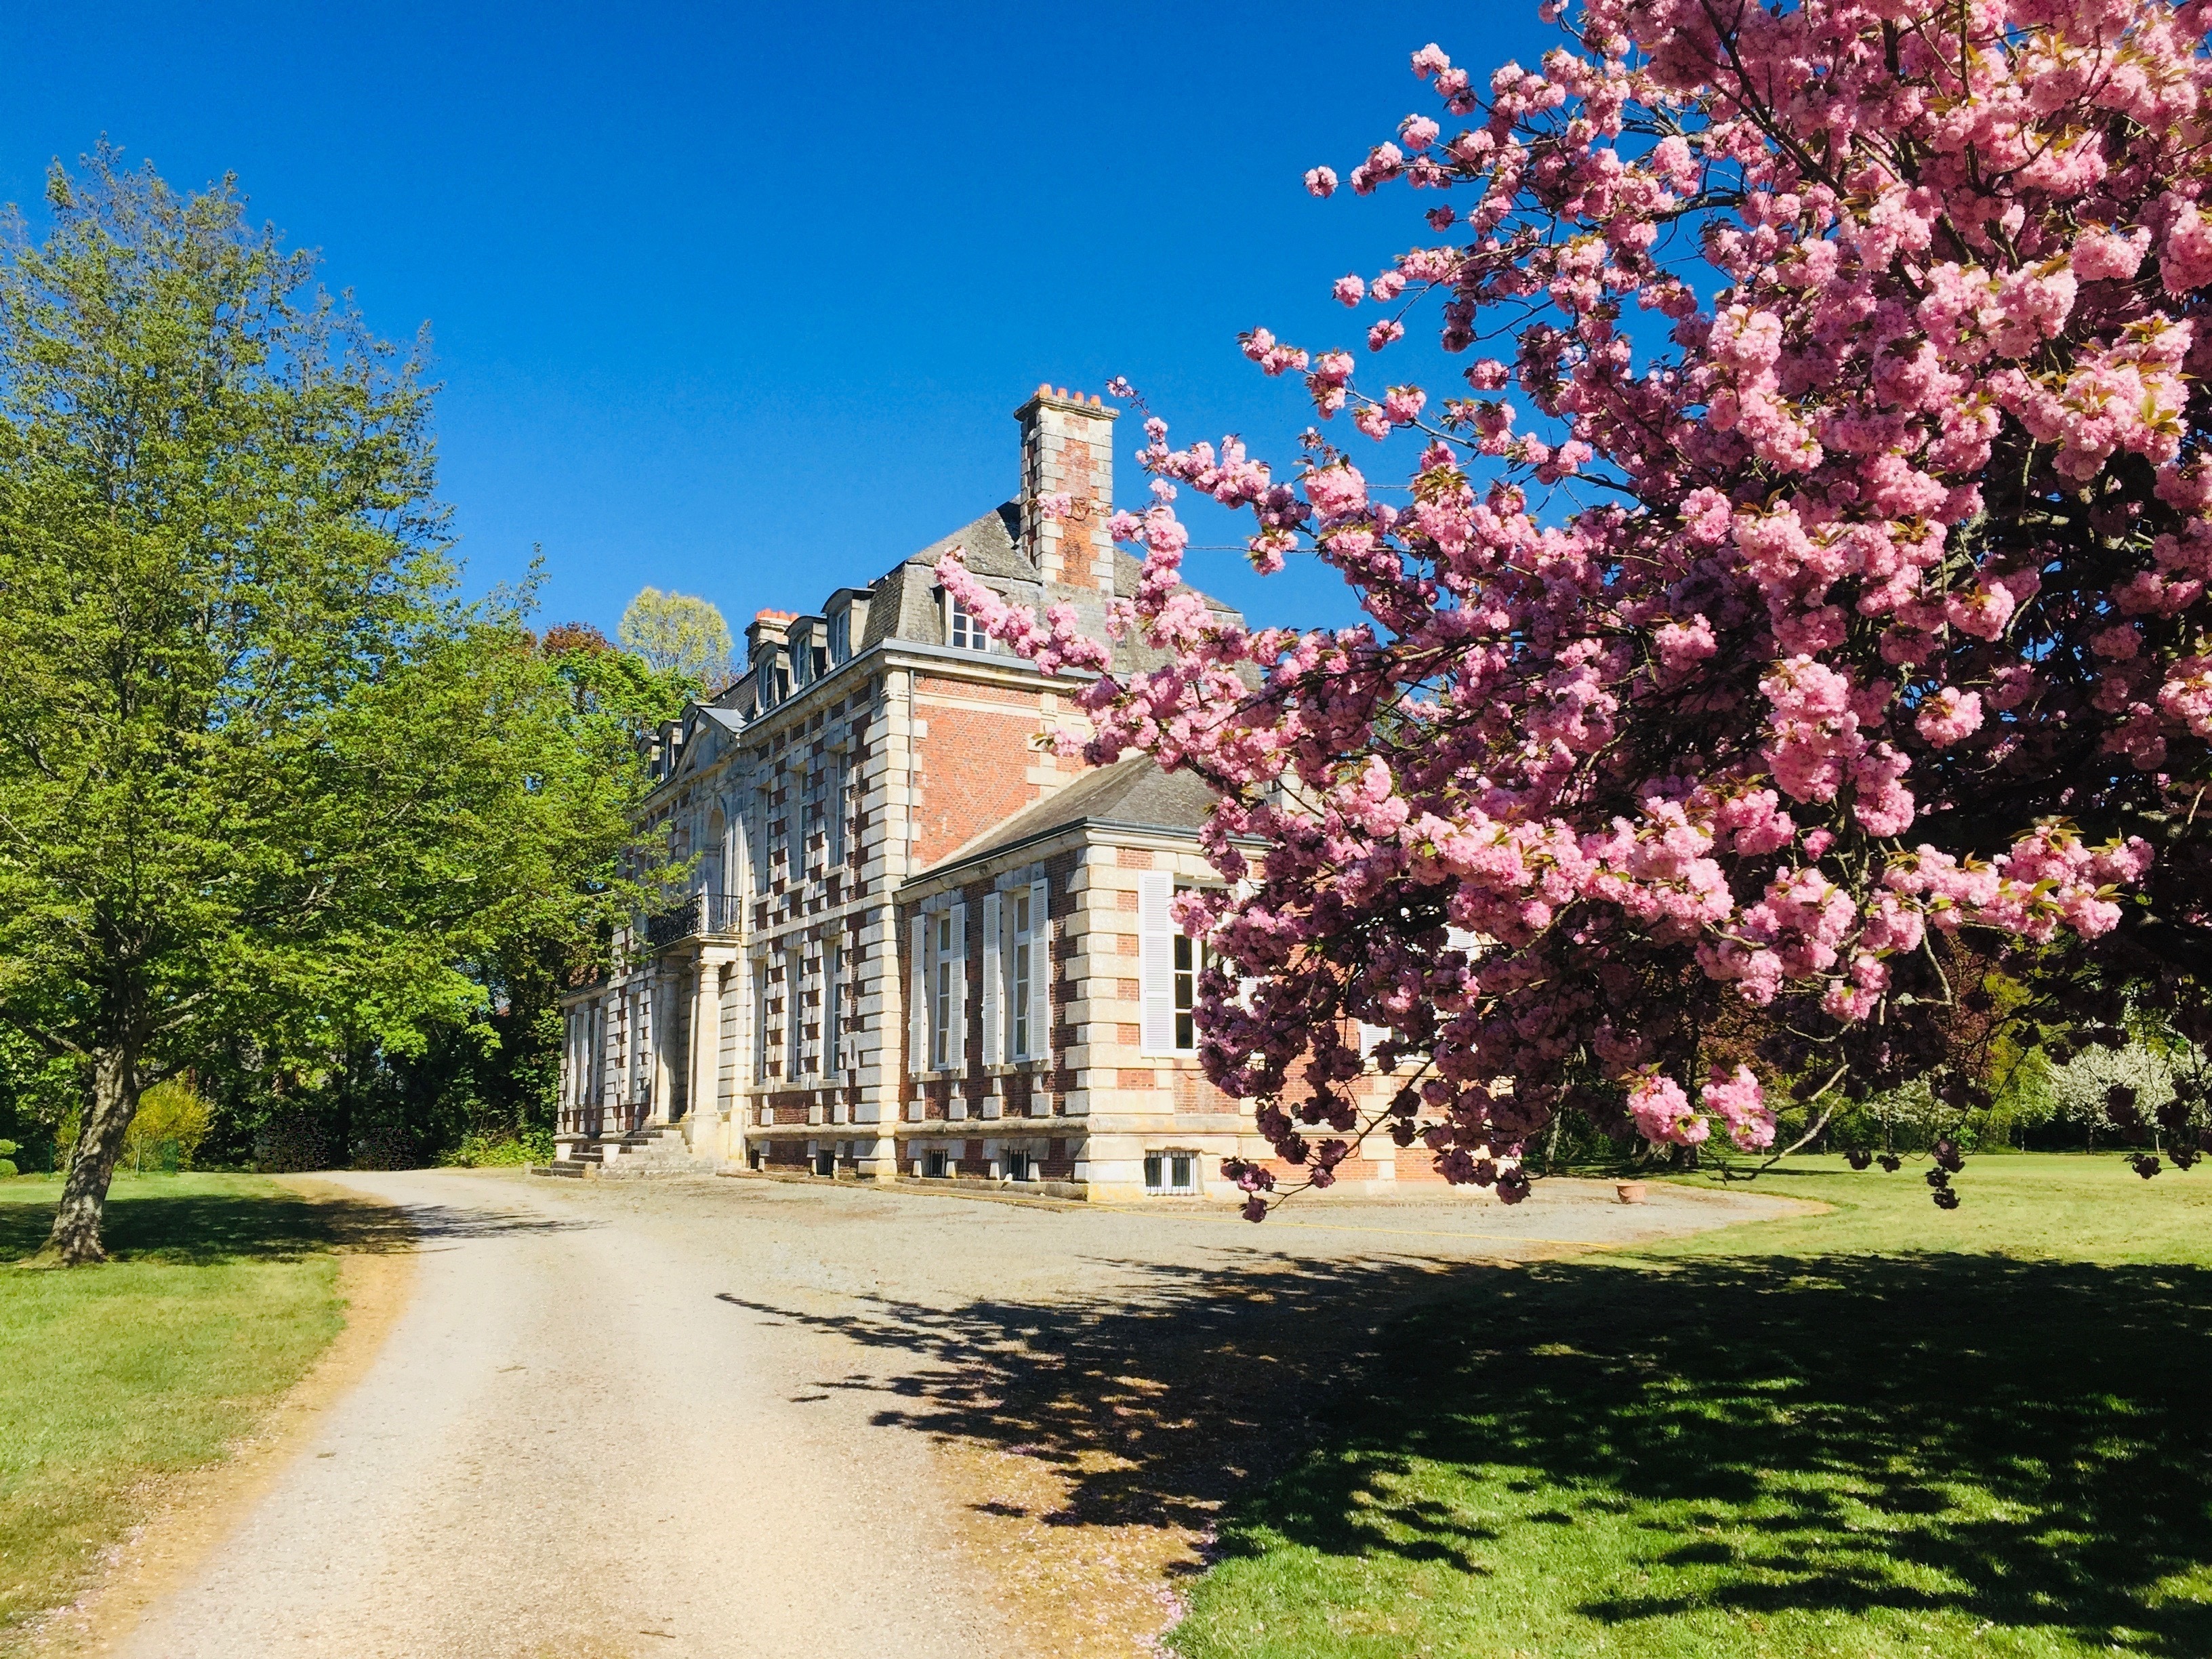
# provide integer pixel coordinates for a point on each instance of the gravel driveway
(747, 1417)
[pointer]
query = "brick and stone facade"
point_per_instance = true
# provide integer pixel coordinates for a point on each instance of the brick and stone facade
(875, 781)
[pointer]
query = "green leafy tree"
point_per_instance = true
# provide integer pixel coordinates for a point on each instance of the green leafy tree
(263, 777)
(620, 687)
(675, 631)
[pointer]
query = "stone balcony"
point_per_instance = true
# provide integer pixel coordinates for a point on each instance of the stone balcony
(699, 915)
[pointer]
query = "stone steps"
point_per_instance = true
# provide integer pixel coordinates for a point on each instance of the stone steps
(641, 1154)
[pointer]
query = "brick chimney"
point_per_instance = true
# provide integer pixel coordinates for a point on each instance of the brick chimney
(767, 631)
(1067, 449)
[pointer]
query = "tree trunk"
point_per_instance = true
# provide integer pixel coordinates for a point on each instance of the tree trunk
(76, 1238)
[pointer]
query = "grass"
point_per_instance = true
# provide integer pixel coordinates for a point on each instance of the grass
(1885, 1431)
(222, 1293)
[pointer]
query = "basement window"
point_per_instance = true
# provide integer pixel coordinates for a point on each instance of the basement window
(1170, 1172)
(932, 1166)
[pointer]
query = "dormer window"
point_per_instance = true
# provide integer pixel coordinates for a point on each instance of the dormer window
(961, 631)
(841, 636)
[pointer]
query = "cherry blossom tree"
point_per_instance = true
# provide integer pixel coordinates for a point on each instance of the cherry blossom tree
(1805, 589)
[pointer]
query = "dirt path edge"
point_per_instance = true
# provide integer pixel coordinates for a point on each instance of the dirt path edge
(189, 1515)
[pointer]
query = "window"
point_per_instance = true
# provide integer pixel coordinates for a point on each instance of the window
(793, 1027)
(937, 990)
(821, 659)
(1018, 1166)
(946, 987)
(825, 1162)
(841, 636)
(932, 1166)
(1017, 973)
(760, 1021)
(1186, 991)
(1023, 949)
(833, 1018)
(1170, 1172)
(839, 806)
(1170, 964)
(961, 631)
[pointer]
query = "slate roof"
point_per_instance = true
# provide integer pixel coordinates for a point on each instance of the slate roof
(900, 605)
(1130, 794)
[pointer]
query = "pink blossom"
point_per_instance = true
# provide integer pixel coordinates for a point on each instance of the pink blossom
(1949, 715)
(1402, 404)
(1736, 1098)
(1682, 644)
(1661, 1111)
(1789, 678)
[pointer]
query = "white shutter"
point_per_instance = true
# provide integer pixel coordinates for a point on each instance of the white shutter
(1368, 1037)
(1156, 960)
(1039, 974)
(992, 997)
(956, 1045)
(917, 998)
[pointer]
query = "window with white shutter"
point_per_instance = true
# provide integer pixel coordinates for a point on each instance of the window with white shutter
(1020, 961)
(917, 996)
(956, 1051)
(1036, 993)
(1156, 962)
(941, 991)
(992, 1000)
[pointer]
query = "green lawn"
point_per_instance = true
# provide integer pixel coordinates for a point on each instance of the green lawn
(1885, 1431)
(222, 1293)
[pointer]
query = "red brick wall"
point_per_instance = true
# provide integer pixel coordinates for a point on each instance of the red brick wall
(973, 766)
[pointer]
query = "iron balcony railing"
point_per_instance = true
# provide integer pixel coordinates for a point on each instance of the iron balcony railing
(699, 915)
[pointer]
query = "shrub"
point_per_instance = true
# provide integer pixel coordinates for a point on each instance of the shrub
(480, 1150)
(172, 1121)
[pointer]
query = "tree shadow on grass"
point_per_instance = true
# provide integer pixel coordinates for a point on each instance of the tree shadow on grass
(2025, 1444)
(198, 1228)
(2022, 1443)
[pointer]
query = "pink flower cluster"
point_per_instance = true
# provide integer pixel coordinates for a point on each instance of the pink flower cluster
(1881, 606)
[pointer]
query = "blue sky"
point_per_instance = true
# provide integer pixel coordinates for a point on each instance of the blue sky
(739, 301)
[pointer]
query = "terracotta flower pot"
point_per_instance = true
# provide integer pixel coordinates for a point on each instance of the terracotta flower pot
(1631, 1192)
